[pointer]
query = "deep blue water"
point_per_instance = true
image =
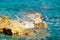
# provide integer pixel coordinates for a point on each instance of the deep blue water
(50, 9)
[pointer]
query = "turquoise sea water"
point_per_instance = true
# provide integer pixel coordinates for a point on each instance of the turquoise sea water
(50, 10)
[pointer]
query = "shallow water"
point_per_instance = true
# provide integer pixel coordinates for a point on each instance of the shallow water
(50, 10)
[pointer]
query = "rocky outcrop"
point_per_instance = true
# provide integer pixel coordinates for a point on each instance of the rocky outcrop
(11, 27)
